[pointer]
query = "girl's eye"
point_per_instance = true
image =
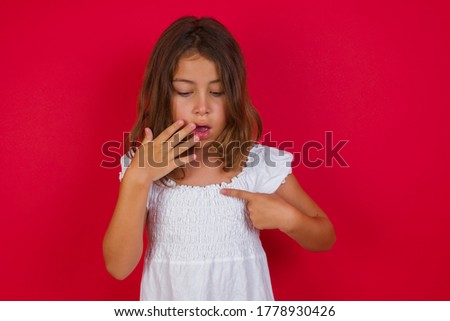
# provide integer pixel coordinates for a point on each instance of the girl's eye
(217, 93)
(183, 94)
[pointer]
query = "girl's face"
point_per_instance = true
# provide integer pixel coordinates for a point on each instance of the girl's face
(198, 97)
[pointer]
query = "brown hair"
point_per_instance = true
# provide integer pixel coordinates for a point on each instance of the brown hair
(209, 38)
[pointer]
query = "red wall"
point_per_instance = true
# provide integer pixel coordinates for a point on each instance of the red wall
(376, 74)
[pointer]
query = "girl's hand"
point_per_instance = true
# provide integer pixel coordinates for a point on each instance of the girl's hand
(266, 211)
(157, 157)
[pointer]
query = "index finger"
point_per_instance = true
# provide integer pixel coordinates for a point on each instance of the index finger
(245, 195)
(169, 131)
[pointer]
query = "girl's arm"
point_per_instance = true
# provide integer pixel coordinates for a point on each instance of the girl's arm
(302, 219)
(123, 243)
(292, 211)
(155, 158)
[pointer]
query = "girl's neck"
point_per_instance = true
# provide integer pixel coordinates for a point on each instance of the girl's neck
(206, 170)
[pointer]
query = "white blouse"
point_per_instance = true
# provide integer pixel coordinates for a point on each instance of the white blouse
(203, 245)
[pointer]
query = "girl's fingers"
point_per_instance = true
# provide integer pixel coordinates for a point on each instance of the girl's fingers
(183, 147)
(184, 160)
(156, 148)
(174, 134)
(148, 135)
(169, 131)
(180, 135)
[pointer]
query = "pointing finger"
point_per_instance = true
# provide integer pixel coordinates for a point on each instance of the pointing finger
(245, 195)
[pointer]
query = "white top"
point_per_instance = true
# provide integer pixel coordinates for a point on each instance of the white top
(203, 245)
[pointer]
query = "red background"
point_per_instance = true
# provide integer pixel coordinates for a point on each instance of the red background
(376, 74)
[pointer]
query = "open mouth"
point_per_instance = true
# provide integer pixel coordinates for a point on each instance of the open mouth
(202, 131)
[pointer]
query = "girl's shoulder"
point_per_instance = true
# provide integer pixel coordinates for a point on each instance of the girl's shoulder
(268, 167)
(262, 157)
(259, 149)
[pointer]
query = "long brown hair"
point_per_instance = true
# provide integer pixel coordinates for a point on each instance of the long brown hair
(209, 38)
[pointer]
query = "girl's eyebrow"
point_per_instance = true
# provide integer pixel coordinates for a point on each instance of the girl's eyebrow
(193, 82)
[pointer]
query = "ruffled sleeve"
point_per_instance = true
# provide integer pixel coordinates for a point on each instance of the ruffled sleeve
(125, 161)
(270, 167)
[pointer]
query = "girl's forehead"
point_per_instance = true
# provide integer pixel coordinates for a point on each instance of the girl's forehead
(196, 68)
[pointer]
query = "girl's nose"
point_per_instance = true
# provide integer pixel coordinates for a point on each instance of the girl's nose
(201, 106)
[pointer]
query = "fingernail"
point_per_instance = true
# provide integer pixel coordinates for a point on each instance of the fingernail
(196, 138)
(223, 191)
(192, 126)
(180, 122)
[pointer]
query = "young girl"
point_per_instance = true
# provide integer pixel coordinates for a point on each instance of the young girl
(199, 182)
